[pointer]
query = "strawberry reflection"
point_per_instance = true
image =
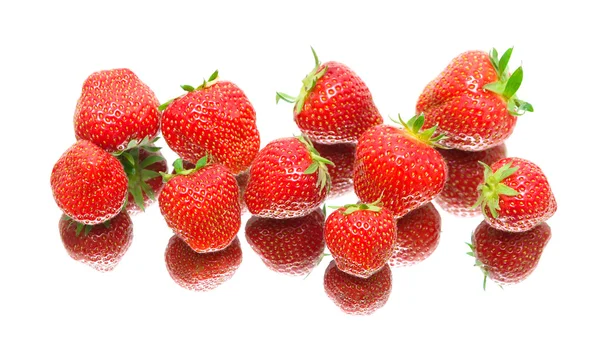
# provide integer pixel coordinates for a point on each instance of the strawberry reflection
(341, 173)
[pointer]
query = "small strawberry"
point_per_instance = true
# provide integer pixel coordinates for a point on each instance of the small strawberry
(101, 246)
(201, 271)
(358, 296)
(89, 184)
(400, 166)
(464, 176)
(418, 236)
(473, 101)
(508, 257)
(334, 105)
(289, 246)
(360, 238)
(116, 107)
(201, 205)
(515, 195)
(288, 179)
(342, 171)
(215, 119)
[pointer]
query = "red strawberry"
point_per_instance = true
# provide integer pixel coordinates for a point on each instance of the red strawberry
(341, 172)
(418, 236)
(358, 296)
(116, 107)
(400, 166)
(201, 271)
(201, 205)
(100, 246)
(360, 238)
(88, 184)
(515, 195)
(215, 118)
(288, 179)
(473, 101)
(290, 246)
(464, 176)
(508, 257)
(334, 105)
(143, 169)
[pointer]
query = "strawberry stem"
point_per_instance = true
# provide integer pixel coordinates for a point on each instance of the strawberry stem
(414, 128)
(188, 88)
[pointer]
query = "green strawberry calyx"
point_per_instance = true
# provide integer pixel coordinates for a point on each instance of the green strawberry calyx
(478, 263)
(354, 207)
(308, 84)
(188, 88)
(182, 171)
(146, 143)
(319, 164)
(82, 227)
(508, 84)
(492, 187)
(413, 128)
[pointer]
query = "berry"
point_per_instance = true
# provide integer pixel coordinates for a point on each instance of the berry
(341, 172)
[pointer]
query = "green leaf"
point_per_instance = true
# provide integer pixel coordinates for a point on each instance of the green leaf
(148, 190)
(127, 158)
(187, 88)
(285, 97)
(312, 168)
(213, 76)
(471, 254)
(496, 87)
(494, 58)
(164, 106)
(178, 165)
(151, 149)
(79, 228)
(151, 160)
(373, 208)
(132, 143)
(317, 62)
(318, 158)
(88, 229)
(201, 162)
(506, 190)
(149, 174)
(513, 84)
(138, 198)
(504, 61)
(351, 210)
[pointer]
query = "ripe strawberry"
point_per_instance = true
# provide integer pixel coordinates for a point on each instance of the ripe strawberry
(515, 195)
(116, 107)
(289, 246)
(334, 105)
(418, 236)
(88, 184)
(358, 296)
(464, 176)
(508, 257)
(215, 119)
(341, 172)
(101, 246)
(201, 205)
(143, 166)
(287, 179)
(360, 238)
(201, 271)
(473, 101)
(400, 166)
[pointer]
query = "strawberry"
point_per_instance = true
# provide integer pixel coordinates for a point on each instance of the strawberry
(360, 238)
(100, 246)
(143, 166)
(288, 179)
(464, 176)
(358, 296)
(289, 246)
(400, 166)
(116, 107)
(201, 205)
(201, 271)
(473, 101)
(215, 119)
(89, 184)
(334, 105)
(508, 257)
(515, 195)
(341, 172)
(418, 236)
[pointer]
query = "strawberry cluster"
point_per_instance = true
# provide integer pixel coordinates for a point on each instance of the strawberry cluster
(452, 152)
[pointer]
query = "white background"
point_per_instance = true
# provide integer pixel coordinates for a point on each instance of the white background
(48, 48)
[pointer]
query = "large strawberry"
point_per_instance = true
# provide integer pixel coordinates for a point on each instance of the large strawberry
(400, 166)
(289, 246)
(361, 238)
(101, 246)
(201, 271)
(358, 296)
(215, 119)
(342, 171)
(334, 105)
(89, 184)
(116, 107)
(418, 236)
(202, 205)
(473, 101)
(515, 195)
(288, 179)
(508, 257)
(464, 176)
